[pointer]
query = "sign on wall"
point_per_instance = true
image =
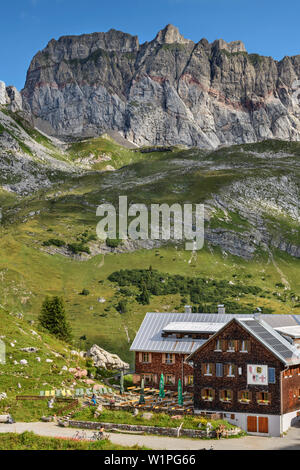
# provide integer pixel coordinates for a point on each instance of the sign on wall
(257, 374)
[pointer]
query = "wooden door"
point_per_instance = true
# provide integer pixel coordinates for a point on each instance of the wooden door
(251, 423)
(263, 424)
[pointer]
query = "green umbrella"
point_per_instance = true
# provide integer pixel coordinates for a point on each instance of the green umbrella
(180, 397)
(142, 398)
(161, 387)
(122, 383)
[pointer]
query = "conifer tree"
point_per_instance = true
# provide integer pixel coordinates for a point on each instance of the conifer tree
(53, 318)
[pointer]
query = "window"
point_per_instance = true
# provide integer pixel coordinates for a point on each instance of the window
(231, 346)
(271, 375)
(245, 396)
(226, 395)
(263, 398)
(207, 394)
(170, 379)
(230, 370)
(189, 380)
(219, 370)
(146, 357)
(147, 378)
(244, 346)
(169, 358)
(218, 345)
(207, 369)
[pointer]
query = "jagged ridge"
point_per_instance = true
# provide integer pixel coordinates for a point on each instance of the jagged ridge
(167, 91)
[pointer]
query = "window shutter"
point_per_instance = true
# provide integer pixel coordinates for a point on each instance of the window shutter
(202, 369)
(271, 375)
(173, 358)
(236, 345)
(219, 370)
(224, 344)
(248, 345)
(150, 357)
(213, 369)
(140, 357)
(163, 356)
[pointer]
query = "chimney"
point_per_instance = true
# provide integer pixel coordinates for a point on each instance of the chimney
(187, 309)
(257, 313)
(221, 309)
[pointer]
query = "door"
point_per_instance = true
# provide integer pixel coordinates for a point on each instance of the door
(251, 423)
(263, 424)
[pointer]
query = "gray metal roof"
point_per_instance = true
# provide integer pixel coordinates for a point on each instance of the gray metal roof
(149, 337)
(273, 340)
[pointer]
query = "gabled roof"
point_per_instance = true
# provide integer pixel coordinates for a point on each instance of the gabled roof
(149, 336)
(265, 334)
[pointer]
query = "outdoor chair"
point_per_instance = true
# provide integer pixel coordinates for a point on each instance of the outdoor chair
(57, 393)
(42, 393)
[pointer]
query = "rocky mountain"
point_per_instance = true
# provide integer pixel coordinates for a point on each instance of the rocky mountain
(168, 91)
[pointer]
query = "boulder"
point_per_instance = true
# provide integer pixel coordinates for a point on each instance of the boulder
(147, 415)
(23, 361)
(30, 349)
(106, 360)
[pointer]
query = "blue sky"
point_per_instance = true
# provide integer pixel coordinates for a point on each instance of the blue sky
(268, 27)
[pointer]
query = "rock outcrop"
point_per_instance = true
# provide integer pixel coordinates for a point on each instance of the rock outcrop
(168, 91)
(10, 96)
(105, 359)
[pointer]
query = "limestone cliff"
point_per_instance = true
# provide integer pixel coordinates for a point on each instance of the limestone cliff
(164, 92)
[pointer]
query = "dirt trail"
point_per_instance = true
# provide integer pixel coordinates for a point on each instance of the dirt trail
(283, 278)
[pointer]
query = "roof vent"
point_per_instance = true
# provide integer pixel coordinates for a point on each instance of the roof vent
(188, 309)
(221, 309)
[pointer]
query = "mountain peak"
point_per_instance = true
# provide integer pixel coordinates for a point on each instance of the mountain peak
(170, 34)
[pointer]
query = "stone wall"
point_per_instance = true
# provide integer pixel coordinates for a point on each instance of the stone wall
(172, 432)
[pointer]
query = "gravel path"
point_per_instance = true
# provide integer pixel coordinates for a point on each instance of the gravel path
(289, 442)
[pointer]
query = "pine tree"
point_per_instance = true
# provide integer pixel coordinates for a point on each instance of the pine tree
(53, 318)
(144, 297)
